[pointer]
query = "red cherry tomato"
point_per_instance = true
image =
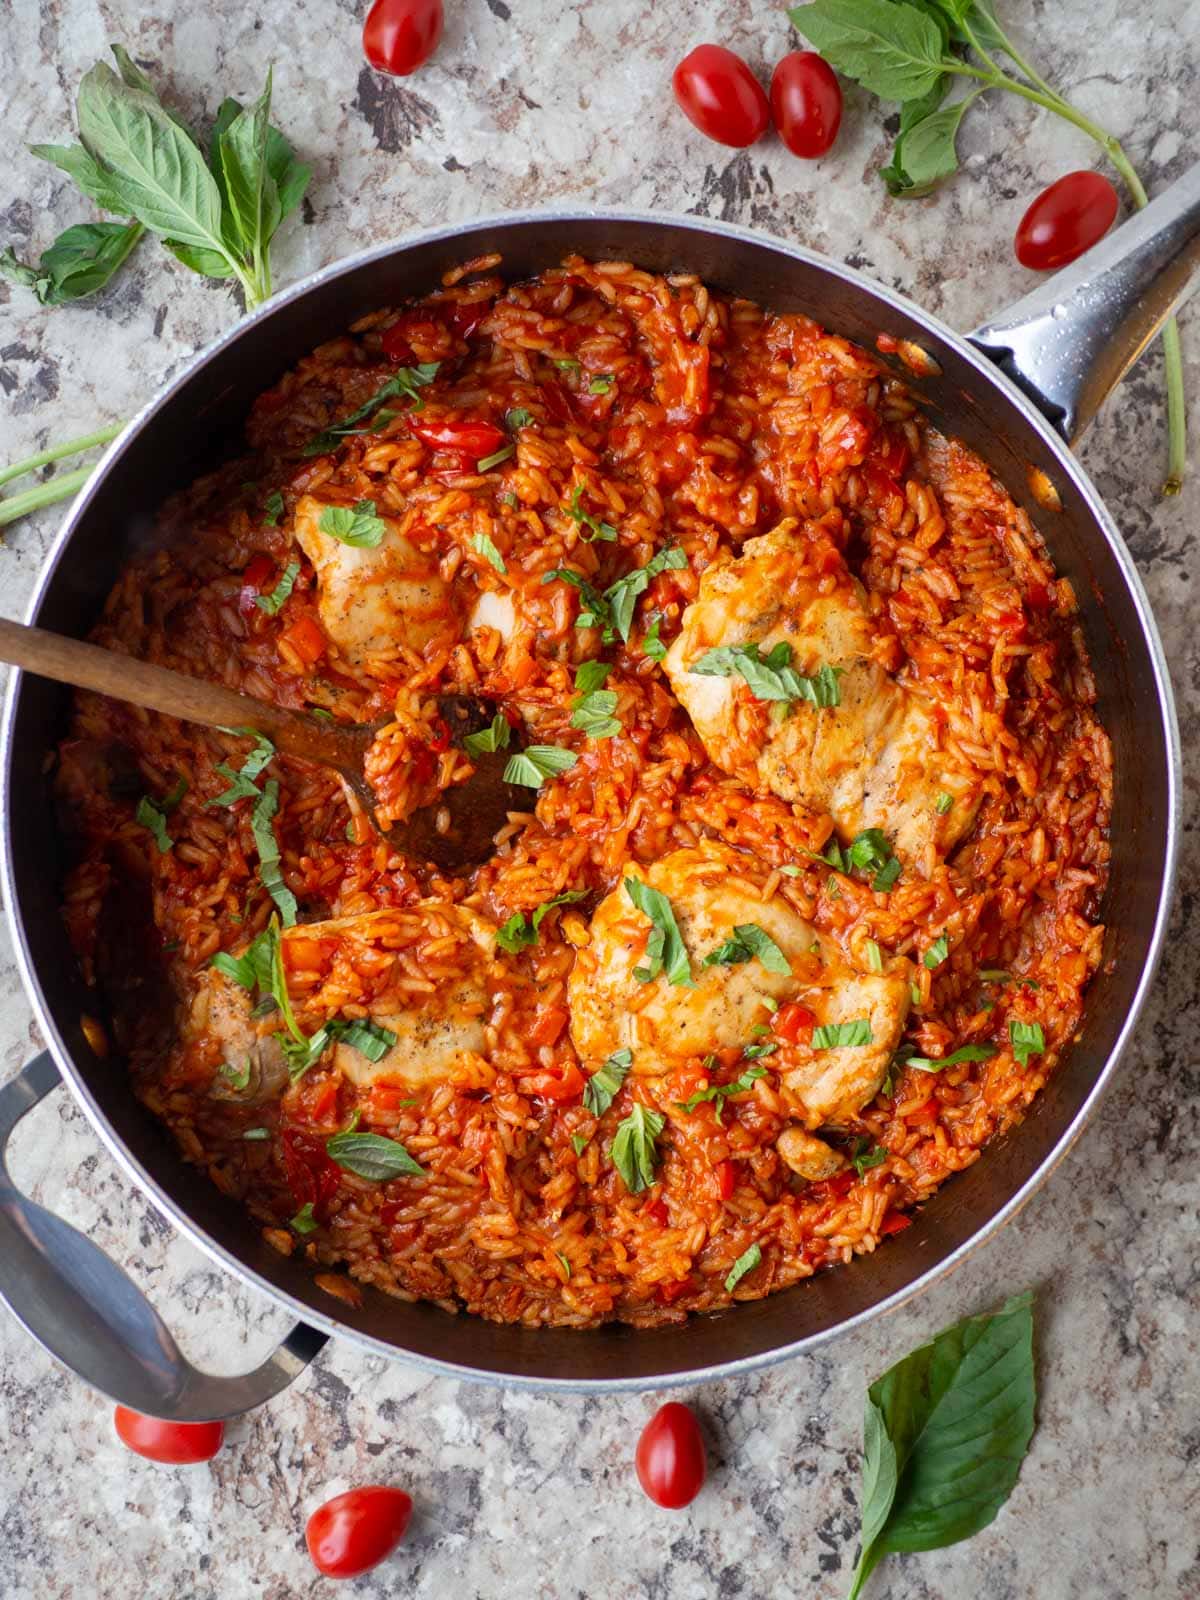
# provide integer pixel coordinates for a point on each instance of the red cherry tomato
(719, 94)
(473, 439)
(670, 1457)
(400, 35)
(179, 1444)
(1065, 220)
(806, 103)
(354, 1531)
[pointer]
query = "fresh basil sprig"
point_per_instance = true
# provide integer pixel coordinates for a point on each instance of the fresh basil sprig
(945, 1432)
(914, 54)
(141, 161)
(635, 1147)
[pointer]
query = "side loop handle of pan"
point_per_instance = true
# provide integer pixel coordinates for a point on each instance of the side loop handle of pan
(81, 1307)
(1070, 342)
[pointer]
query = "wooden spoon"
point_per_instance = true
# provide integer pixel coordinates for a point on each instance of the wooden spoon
(455, 833)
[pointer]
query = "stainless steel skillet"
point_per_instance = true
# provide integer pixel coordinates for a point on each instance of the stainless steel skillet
(1017, 391)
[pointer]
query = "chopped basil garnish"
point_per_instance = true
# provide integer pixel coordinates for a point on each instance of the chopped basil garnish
(517, 417)
(605, 1083)
(842, 1035)
(966, 1052)
(746, 1262)
(635, 1149)
(486, 547)
(866, 1155)
(652, 645)
(580, 1142)
(747, 941)
(151, 818)
(564, 1263)
(995, 975)
(520, 932)
(537, 762)
(273, 509)
(590, 676)
(256, 1135)
(241, 783)
(1027, 1040)
(405, 381)
(238, 1077)
(622, 596)
(355, 525)
(718, 1093)
(755, 1052)
(171, 800)
(369, 1038)
(592, 713)
(594, 609)
(596, 530)
(943, 803)
(874, 956)
(496, 458)
(494, 737)
(665, 949)
(885, 878)
(304, 1221)
(372, 1156)
(937, 952)
(567, 364)
(269, 868)
(273, 602)
(601, 383)
(771, 677)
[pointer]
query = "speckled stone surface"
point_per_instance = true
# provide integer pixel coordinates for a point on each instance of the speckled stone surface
(534, 1495)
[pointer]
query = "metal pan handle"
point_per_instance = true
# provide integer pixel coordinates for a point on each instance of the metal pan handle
(81, 1307)
(1070, 342)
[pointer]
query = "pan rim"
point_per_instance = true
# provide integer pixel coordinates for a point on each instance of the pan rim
(986, 370)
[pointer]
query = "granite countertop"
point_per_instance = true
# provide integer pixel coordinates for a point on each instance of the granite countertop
(529, 1493)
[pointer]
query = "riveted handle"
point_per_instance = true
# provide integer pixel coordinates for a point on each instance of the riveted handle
(1070, 342)
(88, 1313)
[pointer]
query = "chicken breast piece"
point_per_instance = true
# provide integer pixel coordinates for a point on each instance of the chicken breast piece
(373, 600)
(420, 972)
(711, 892)
(221, 1016)
(871, 761)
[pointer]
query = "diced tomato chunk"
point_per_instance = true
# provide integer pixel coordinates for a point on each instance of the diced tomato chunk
(306, 639)
(475, 440)
(927, 1112)
(895, 1222)
(548, 1026)
(656, 1210)
(794, 1022)
(667, 1293)
(564, 1082)
(726, 1176)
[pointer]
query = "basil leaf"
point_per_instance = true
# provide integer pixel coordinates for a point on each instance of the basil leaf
(252, 209)
(596, 529)
(273, 602)
(717, 1093)
(273, 509)
(886, 877)
(945, 1432)
(843, 1035)
(256, 1135)
(239, 968)
(261, 965)
(667, 953)
(1026, 1037)
(605, 1083)
(567, 898)
(580, 1142)
(874, 956)
(239, 1077)
(926, 153)
(966, 1052)
(369, 1038)
(866, 1155)
(487, 548)
(893, 50)
(771, 677)
(81, 260)
(746, 1262)
(537, 762)
(496, 458)
(944, 803)
(517, 417)
(754, 1052)
(152, 164)
(590, 676)
(601, 383)
(291, 177)
(516, 934)
(304, 1221)
(652, 645)
(354, 525)
(84, 171)
(488, 740)
(635, 1150)
(240, 787)
(622, 596)
(152, 818)
(405, 381)
(593, 714)
(371, 1155)
(269, 868)
(748, 941)
(937, 952)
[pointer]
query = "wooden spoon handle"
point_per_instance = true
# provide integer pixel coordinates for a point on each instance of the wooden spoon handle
(87, 666)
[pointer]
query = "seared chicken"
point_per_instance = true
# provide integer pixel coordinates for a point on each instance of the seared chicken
(711, 892)
(870, 761)
(221, 1011)
(373, 600)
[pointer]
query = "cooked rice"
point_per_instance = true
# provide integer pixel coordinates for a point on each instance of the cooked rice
(721, 418)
